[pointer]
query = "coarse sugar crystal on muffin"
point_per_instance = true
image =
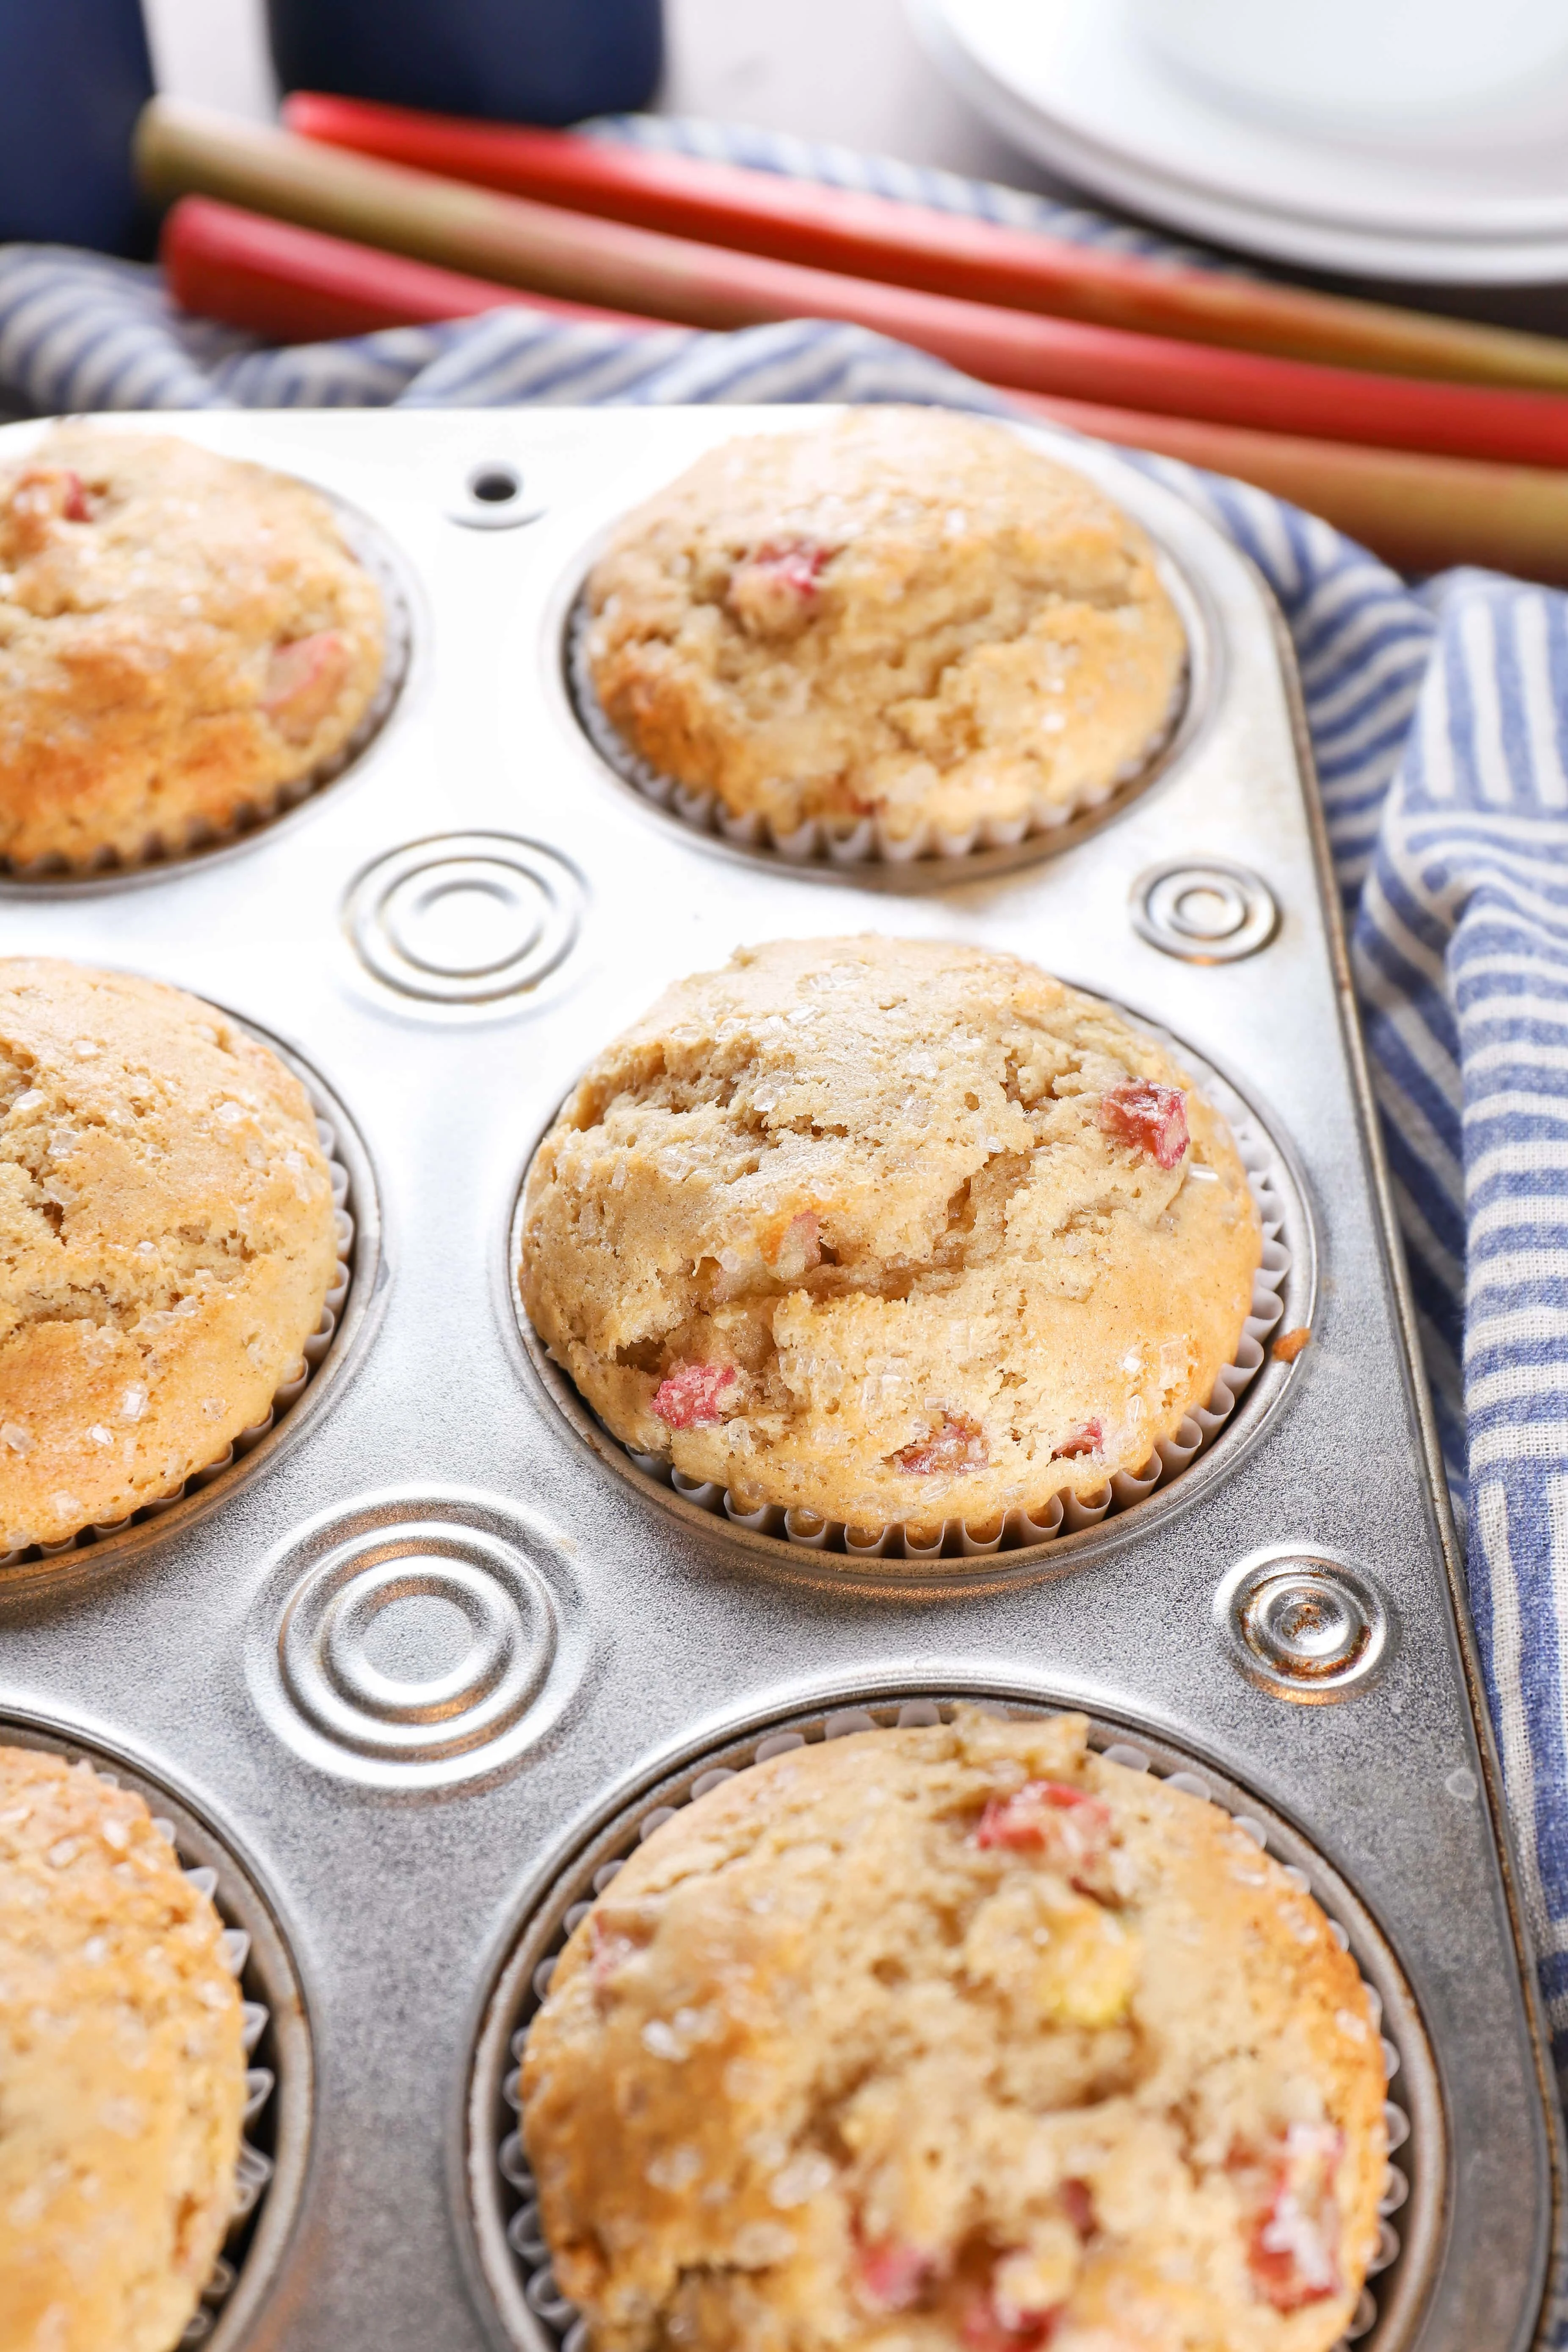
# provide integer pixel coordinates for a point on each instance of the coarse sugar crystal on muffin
(182, 638)
(955, 2037)
(893, 1231)
(906, 614)
(167, 1241)
(121, 2070)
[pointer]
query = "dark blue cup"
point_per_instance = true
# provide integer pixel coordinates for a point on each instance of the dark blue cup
(511, 61)
(74, 75)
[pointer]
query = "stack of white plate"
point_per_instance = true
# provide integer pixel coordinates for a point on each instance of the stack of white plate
(1414, 139)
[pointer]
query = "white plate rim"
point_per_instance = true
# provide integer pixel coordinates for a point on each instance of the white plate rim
(1514, 249)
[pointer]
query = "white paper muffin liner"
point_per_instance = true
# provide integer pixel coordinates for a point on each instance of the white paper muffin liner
(286, 1394)
(253, 2173)
(559, 2318)
(859, 841)
(1065, 1513)
(162, 848)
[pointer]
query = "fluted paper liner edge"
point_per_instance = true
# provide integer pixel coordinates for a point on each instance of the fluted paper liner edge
(819, 840)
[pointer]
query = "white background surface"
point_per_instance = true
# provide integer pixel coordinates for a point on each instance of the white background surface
(844, 69)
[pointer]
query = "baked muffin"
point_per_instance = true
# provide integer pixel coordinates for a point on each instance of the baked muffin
(121, 2070)
(893, 1231)
(955, 2037)
(167, 1241)
(906, 614)
(182, 638)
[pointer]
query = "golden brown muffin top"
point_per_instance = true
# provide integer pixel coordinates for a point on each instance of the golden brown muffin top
(903, 613)
(167, 1239)
(955, 2036)
(181, 636)
(121, 2069)
(890, 1230)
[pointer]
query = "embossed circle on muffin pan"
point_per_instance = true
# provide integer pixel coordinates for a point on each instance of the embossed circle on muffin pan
(416, 1638)
(461, 920)
(862, 853)
(1207, 1447)
(1203, 911)
(280, 2079)
(205, 844)
(330, 1356)
(507, 2249)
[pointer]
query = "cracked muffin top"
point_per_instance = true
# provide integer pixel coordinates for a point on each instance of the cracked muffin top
(167, 1241)
(893, 1231)
(182, 637)
(907, 613)
(955, 2037)
(121, 2069)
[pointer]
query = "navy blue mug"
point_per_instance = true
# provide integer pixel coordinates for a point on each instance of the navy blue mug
(74, 75)
(512, 60)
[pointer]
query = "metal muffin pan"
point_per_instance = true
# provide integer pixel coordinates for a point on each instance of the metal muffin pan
(489, 847)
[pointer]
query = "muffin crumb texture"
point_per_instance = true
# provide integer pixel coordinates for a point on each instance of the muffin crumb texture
(182, 637)
(121, 2070)
(957, 2039)
(906, 614)
(167, 1241)
(894, 1231)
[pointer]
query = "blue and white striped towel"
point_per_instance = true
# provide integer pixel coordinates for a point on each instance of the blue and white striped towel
(1440, 722)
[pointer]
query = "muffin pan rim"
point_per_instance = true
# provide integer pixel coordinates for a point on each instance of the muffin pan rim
(201, 1838)
(376, 551)
(344, 1354)
(1199, 700)
(602, 1833)
(1257, 1409)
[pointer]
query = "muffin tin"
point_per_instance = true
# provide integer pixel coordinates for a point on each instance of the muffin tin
(417, 1656)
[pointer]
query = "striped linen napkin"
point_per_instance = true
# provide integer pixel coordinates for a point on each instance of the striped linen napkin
(1439, 718)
